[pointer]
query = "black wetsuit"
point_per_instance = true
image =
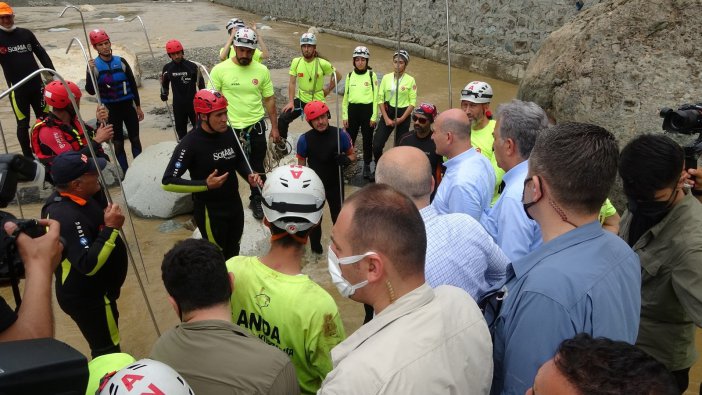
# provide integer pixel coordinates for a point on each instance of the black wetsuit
(182, 77)
(17, 50)
(88, 281)
(121, 110)
(427, 146)
(218, 213)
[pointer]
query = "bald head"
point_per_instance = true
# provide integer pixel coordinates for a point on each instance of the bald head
(454, 121)
(406, 169)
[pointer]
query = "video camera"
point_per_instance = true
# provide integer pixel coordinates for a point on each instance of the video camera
(15, 168)
(686, 120)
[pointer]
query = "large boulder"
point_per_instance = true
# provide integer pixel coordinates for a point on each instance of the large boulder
(142, 185)
(617, 63)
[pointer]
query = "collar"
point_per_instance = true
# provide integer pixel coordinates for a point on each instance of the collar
(406, 305)
(491, 121)
(428, 213)
(514, 173)
(578, 235)
(677, 214)
(77, 199)
(463, 156)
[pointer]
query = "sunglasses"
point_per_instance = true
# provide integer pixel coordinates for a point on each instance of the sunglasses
(420, 120)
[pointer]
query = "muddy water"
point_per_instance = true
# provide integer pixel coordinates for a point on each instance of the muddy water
(179, 20)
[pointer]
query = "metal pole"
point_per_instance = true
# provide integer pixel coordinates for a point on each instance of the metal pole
(145, 34)
(99, 171)
(170, 115)
(113, 156)
(338, 136)
(448, 54)
(85, 31)
(397, 81)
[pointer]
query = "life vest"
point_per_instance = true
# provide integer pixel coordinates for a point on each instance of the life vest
(112, 81)
(70, 133)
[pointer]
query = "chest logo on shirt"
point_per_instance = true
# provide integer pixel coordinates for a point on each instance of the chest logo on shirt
(83, 241)
(21, 48)
(178, 165)
(227, 153)
(254, 81)
(402, 88)
(300, 75)
(262, 300)
(366, 83)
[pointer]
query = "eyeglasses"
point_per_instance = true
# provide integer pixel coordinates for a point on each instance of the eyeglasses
(420, 120)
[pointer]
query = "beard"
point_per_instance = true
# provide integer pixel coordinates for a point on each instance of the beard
(243, 61)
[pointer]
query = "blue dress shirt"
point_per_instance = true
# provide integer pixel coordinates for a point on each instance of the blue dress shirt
(586, 280)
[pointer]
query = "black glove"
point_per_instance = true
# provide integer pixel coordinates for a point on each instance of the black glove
(164, 97)
(342, 160)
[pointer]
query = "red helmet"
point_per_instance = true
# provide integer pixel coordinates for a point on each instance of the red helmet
(56, 96)
(97, 36)
(315, 109)
(209, 100)
(426, 109)
(173, 46)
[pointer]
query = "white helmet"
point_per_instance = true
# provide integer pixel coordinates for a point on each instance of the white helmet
(293, 198)
(245, 37)
(402, 53)
(146, 376)
(477, 92)
(362, 52)
(234, 23)
(309, 39)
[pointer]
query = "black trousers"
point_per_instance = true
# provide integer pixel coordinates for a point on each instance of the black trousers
(255, 147)
(333, 194)
(22, 99)
(222, 223)
(382, 131)
(124, 114)
(97, 320)
(359, 118)
(287, 117)
(183, 112)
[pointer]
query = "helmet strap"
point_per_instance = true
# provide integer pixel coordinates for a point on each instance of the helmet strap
(300, 239)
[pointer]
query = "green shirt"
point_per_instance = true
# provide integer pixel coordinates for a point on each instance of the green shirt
(671, 284)
(291, 313)
(257, 55)
(245, 87)
(310, 77)
(360, 89)
(408, 91)
(482, 140)
(607, 210)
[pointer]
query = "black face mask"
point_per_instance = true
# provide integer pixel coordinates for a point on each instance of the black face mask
(528, 205)
(646, 215)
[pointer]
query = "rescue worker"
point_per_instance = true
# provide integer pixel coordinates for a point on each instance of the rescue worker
(422, 118)
(89, 279)
(248, 89)
(358, 109)
(60, 131)
(118, 92)
(325, 149)
(211, 154)
(303, 318)
(228, 52)
(182, 75)
(397, 97)
(306, 81)
(18, 46)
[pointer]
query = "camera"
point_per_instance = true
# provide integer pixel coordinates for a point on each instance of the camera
(686, 120)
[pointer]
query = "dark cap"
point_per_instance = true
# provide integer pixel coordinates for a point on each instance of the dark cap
(70, 165)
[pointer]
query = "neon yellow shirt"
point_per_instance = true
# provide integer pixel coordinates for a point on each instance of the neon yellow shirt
(360, 89)
(292, 313)
(607, 210)
(310, 77)
(245, 87)
(257, 55)
(483, 140)
(408, 91)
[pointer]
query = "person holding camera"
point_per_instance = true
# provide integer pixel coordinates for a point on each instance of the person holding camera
(88, 281)
(40, 256)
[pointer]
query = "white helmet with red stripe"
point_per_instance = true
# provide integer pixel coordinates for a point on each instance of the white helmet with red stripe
(293, 198)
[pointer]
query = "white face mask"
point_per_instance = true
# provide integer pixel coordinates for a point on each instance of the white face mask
(345, 288)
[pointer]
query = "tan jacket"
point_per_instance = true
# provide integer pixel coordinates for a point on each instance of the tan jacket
(430, 341)
(671, 284)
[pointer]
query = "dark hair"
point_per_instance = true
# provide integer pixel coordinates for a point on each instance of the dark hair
(649, 163)
(579, 163)
(195, 275)
(602, 367)
(387, 221)
(287, 240)
(521, 121)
